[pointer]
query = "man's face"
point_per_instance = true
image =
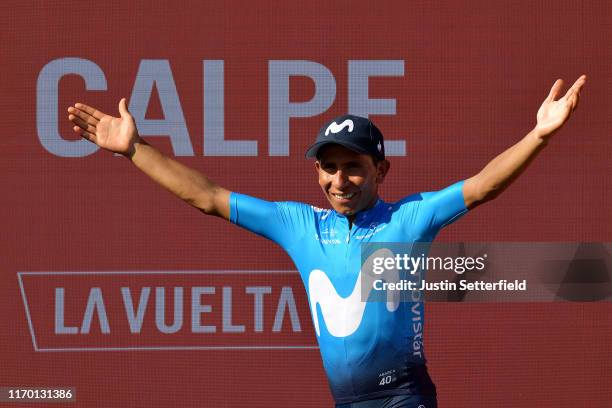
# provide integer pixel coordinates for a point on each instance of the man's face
(349, 179)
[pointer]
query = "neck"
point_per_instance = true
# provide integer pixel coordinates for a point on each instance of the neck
(351, 218)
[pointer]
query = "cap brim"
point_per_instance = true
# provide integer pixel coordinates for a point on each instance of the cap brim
(314, 149)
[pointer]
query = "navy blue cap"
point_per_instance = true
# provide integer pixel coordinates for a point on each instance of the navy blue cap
(353, 132)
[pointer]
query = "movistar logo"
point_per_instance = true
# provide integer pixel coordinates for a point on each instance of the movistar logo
(343, 316)
(335, 128)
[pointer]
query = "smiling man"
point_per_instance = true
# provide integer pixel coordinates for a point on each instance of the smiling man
(350, 162)
(372, 353)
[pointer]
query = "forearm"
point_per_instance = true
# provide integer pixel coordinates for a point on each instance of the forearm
(500, 172)
(505, 168)
(187, 184)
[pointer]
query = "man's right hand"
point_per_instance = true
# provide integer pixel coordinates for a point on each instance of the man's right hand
(115, 134)
(119, 135)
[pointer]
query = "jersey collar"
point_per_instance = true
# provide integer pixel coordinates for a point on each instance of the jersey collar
(364, 214)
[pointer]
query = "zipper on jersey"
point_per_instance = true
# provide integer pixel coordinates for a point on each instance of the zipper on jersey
(347, 272)
(347, 245)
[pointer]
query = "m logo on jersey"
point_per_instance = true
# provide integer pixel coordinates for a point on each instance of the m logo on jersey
(335, 128)
(342, 316)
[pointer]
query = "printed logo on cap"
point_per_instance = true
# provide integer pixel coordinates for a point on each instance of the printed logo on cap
(335, 128)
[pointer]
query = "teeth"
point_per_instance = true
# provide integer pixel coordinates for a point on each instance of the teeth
(343, 196)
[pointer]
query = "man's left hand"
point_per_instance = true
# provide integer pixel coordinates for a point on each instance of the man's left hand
(554, 113)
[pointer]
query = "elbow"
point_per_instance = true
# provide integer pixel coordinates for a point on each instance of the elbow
(208, 201)
(478, 193)
(205, 205)
(202, 202)
(490, 194)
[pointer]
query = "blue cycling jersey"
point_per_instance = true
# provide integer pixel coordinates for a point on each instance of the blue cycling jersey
(368, 350)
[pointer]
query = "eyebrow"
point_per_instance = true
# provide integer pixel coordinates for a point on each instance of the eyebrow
(353, 163)
(349, 163)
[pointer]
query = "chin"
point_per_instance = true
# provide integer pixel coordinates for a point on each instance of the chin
(345, 211)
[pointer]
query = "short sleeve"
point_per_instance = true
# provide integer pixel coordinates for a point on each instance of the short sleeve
(444, 206)
(283, 222)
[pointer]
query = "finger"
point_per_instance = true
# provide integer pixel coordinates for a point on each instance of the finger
(554, 91)
(575, 100)
(85, 134)
(83, 115)
(570, 93)
(93, 112)
(576, 87)
(82, 124)
(123, 109)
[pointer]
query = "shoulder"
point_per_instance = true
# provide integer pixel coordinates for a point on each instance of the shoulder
(451, 193)
(408, 203)
(320, 213)
(413, 199)
(302, 214)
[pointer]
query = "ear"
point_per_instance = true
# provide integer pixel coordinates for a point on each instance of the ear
(382, 168)
(317, 165)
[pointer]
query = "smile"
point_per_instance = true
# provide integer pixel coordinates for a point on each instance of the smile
(343, 196)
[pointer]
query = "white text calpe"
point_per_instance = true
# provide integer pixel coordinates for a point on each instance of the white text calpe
(138, 308)
(157, 74)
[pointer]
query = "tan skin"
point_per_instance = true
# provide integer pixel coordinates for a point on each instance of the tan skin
(349, 180)
(341, 171)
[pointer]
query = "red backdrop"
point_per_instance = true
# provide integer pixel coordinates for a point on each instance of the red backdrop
(474, 75)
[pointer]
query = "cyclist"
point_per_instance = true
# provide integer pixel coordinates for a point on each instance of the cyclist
(372, 353)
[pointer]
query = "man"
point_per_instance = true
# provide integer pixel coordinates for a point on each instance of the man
(368, 350)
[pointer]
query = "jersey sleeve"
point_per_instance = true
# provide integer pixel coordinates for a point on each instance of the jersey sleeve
(282, 222)
(424, 214)
(444, 206)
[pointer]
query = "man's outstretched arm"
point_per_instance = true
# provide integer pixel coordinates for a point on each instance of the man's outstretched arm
(120, 135)
(505, 168)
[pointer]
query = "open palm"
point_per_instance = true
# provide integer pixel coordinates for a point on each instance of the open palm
(554, 113)
(115, 134)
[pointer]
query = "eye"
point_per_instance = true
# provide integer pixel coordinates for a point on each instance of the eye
(353, 168)
(328, 168)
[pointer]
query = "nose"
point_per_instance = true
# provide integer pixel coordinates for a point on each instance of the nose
(340, 180)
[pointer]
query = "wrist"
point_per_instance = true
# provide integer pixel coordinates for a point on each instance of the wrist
(539, 136)
(134, 147)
